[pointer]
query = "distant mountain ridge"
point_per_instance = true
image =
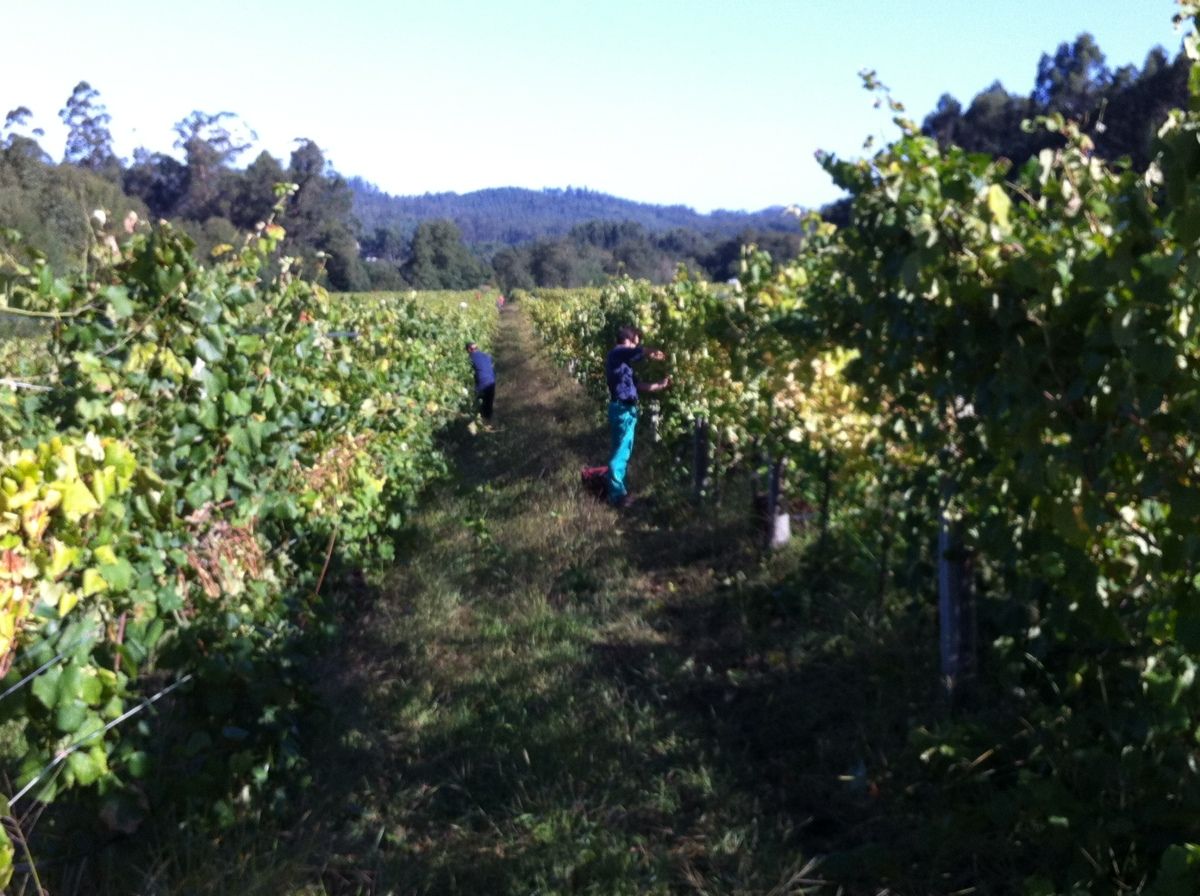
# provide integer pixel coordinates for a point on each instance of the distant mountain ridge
(514, 215)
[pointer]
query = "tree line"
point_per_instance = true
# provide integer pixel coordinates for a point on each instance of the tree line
(354, 237)
(202, 191)
(1121, 110)
(590, 254)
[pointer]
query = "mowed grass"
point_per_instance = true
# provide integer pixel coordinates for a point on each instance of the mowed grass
(548, 697)
(512, 661)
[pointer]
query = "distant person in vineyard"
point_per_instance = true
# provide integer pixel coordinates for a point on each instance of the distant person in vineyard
(623, 390)
(485, 380)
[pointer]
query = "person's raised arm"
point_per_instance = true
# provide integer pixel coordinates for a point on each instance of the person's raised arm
(664, 383)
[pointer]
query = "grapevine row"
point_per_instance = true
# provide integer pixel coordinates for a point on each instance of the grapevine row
(180, 453)
(1002, 365)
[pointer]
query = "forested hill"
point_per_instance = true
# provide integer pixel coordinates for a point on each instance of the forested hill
(512, 215)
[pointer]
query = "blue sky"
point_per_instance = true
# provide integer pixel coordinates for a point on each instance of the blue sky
(694, 102)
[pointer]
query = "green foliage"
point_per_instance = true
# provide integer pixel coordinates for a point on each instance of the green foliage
(47, 207)
(6, 850)
(204, 436)
(440, 260)
(597, 252)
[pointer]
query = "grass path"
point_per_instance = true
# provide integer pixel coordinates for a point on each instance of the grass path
(506, 731)
(548, 697)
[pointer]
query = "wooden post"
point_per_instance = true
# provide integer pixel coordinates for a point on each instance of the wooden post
(887, 533)
(956, 600)
(779, 525)
(826, 499)
(700, 459)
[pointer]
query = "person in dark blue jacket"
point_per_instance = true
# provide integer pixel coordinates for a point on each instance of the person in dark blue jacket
(623, 389)
(485, 380)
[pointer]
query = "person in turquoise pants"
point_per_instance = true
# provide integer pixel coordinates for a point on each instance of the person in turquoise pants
(623, 390)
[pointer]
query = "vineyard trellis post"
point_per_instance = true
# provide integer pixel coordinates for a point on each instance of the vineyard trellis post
(700, 458)
(956, 600)
(826, 499)
(779, 530)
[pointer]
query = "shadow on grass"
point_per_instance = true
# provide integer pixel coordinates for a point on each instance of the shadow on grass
(741, 731)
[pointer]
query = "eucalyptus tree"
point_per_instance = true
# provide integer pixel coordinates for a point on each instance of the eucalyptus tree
(89, 140)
